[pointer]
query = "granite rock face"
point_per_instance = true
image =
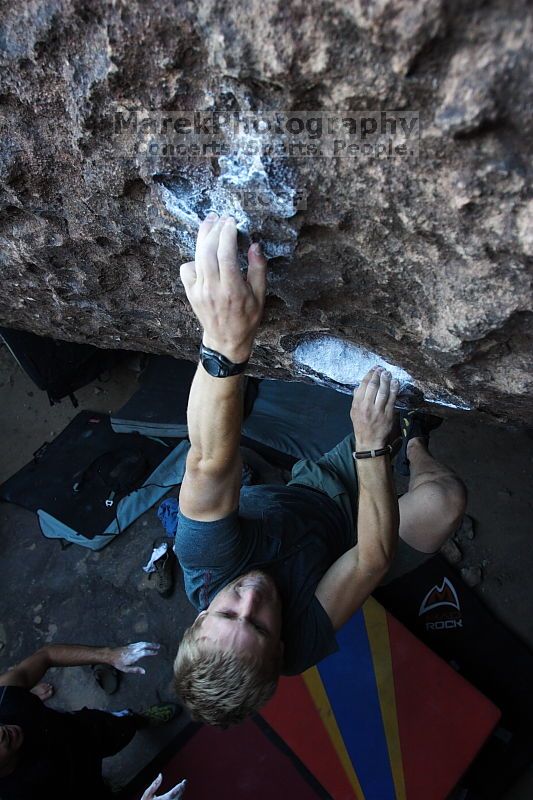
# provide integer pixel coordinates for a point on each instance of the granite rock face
(422, 257)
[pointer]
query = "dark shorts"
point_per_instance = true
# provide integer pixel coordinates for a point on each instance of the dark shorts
(105, 733)
(335, 474)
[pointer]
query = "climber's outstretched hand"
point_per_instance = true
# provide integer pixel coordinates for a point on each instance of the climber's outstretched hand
(372, 410)
(228, 304)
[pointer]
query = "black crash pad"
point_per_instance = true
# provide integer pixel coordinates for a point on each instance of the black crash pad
(48, 482)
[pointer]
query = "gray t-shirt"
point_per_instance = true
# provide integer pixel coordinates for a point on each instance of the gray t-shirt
(294, 533)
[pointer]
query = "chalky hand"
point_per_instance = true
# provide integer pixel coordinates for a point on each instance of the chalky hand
(123, 658)
(174, 794)
(228, 304)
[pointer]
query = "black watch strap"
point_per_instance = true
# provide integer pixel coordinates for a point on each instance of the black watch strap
(218, 365)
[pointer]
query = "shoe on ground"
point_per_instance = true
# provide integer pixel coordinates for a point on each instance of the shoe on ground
(161, 714)
(106, 677)
(163, 577)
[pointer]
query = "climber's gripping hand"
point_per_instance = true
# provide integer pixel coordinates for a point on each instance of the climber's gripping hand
(228, 304)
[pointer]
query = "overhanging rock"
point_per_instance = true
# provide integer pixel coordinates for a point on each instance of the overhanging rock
(421, 256)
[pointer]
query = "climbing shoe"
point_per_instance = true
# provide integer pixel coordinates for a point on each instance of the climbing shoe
(154, 716)
(413, 424)
(106, 677)
(163, 575)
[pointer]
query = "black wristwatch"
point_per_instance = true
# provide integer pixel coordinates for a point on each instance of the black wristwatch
(218, 365)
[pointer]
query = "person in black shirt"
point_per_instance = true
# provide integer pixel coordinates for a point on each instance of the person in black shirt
(48, 753)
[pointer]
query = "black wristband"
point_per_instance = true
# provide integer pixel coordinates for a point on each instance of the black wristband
(383, 451)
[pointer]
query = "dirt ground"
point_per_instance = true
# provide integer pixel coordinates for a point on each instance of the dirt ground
(75, 595)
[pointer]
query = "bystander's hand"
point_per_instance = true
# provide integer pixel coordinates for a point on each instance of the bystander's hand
(228, 304)
(372, 411)
(123, 658)
(174, 794)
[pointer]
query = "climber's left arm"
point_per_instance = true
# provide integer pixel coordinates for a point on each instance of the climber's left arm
(229, 307)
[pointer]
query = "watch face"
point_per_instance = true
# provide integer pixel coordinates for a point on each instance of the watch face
(212, 366)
